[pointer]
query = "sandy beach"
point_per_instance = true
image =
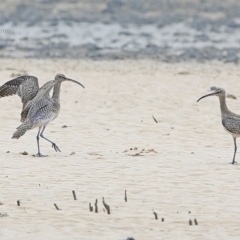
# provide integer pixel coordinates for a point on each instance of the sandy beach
(178, 167)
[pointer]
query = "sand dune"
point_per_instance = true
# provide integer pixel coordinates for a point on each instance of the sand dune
(178, 167)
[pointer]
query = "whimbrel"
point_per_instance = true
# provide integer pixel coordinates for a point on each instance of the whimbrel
(230, 120)
(39, 109)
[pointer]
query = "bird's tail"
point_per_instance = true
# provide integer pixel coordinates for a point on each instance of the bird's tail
(21, 130)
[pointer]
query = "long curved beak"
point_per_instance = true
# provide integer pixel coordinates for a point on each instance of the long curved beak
(207, 95)
(71, 80)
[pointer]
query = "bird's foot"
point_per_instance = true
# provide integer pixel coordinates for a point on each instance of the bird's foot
(40, 155)
(54, 145)
(234, 162)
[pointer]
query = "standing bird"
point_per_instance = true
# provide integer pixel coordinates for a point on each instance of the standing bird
(230, 120)
(39, 108)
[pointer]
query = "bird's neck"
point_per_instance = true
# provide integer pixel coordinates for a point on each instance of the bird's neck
(56, 93)
(223, 106)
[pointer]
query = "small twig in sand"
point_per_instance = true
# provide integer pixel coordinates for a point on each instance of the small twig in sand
(156, 216)
(56, 206)
(195, 220)
(190, 222)
(162, 219)
(90, 207)
(107, 207)
(74, 195)
(125, 196)
(154, 119)
(96, 206)
(18, 202)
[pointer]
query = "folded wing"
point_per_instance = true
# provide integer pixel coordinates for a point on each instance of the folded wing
(40, 101)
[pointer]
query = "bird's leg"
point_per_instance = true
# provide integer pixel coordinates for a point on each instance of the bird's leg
(39, 153)
(235, 150)
(54, 145)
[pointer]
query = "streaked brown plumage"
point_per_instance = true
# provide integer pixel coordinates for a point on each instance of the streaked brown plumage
(230, 120)
(39, 108)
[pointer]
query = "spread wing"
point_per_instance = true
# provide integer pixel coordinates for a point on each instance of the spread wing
(26, 87)
(232, 124)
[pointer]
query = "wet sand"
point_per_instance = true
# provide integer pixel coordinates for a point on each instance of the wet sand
(170, 31)
(178, 167)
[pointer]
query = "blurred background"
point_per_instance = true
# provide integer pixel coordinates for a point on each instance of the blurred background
(168, 30)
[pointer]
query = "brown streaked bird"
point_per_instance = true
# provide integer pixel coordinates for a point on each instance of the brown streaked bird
(39, 108)
(230, 120)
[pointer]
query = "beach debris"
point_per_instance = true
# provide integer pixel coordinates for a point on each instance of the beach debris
(107, 207)
(72, 153)
(56, 206)
(231, 96)
(151, 150)
(140, 152)
(24, 153)
(156, 121)
(130, 238)
(189, 212)
(18, 202)
(183, 72)
(74, 195)
(1, 203)
(155, 214)
(8, 152)
(191, 222)
(94, 154)
(162, 219)
(90, 207)
(125, 196)
(136, 154)
(96, 206)
(64, 126)
(3, 215)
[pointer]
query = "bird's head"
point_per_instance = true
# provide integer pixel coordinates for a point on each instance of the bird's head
(218, 92)
(60, 77)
